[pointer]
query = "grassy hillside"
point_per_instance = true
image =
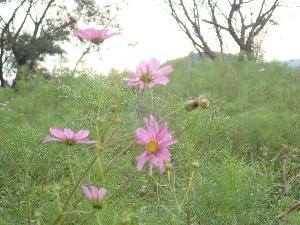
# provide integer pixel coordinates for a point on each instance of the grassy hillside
(246, 143)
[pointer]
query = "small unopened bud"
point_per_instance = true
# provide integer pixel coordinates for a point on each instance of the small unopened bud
(169, 167)
(114, 108)
(195, 165)
(126, 220)
(143, 191)
(117, 120)
(191, 104)
(37, 214)
(204, 103)
(56, 187)
(67, 183)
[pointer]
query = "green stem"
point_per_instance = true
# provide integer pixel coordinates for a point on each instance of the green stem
(70, 165)
(158, 198)
(98, 219)
(117, 157)
(177, 205)
(85, 220)
(81, 57)
(100, 166)
(152, 101)
(119, 189)
(170, 114)
(188, 190)
(61, 214)
(125, 137)
(177, 216)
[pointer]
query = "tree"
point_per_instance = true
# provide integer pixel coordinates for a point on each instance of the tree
(242, 23)
(243, 20)
(37, 28)
(189, 21)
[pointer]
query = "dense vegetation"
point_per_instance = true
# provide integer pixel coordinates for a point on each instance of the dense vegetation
(246, 144)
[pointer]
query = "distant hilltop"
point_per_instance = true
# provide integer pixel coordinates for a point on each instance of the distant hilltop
(292, 63)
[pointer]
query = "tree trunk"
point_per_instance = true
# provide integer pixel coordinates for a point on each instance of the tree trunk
(1, 77)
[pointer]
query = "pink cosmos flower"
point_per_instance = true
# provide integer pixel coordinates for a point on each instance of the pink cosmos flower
(95, 196)
(68, 136)
(157, 141)
(93, 35)
(147, 75)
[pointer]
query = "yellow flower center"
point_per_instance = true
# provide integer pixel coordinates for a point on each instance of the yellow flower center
(152, 146)
(97, 41)
(146, 78)
(70, 142)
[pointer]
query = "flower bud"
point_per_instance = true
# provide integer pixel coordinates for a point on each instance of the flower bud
(117, 120)
(126, 220)
(204, 103)
(191, 104)
(57, 187)
(143, 191)
(114, 108)
(195, 165)
(169, 167)
(67, 183)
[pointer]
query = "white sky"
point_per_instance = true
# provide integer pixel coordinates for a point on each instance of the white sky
(146, 23)
(157, 35)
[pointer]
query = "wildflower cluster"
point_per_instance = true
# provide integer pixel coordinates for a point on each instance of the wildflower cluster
(156, 138)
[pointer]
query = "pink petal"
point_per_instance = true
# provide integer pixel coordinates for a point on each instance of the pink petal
(167, 142)
(151, 84)
(92, 34)
(150, 131)
(82, 134)
(88, 142)
(69, 134)
(57, 132)
(134, 82)
(161, 80)
(142, 159)
(161, 166)
(87, 192)
(142, 86)
(101, 194)
(153, 64)
(112, 34)
(163, 131)
(82, 34)
(150, 170)
(49, 139)
(143, 68)
(141, 136)
(94, 192)
(164, 71)
(163, 154)
(153, 123)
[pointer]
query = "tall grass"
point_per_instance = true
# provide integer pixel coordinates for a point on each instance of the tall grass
(246, 143)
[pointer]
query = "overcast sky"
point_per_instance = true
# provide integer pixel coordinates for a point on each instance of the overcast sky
(147, 23)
